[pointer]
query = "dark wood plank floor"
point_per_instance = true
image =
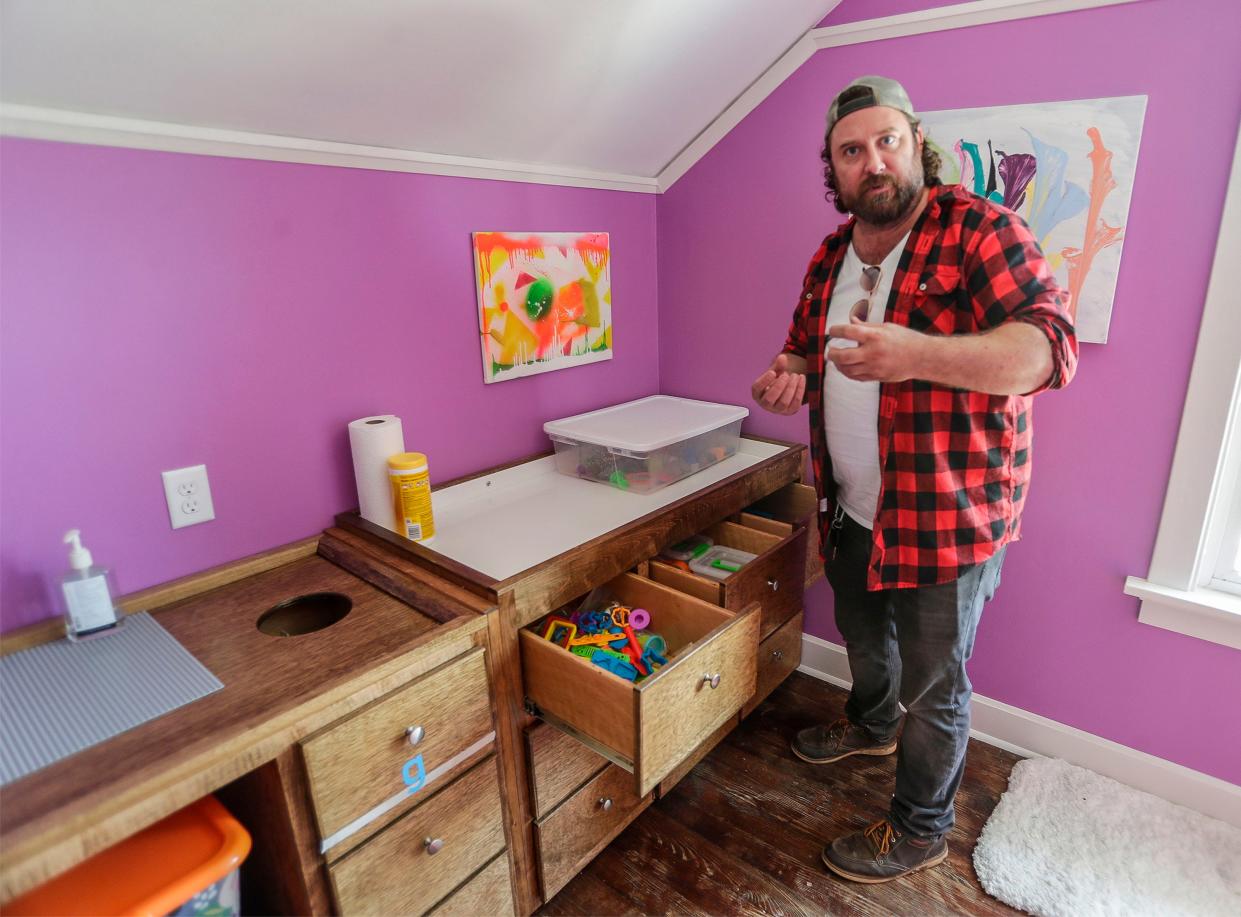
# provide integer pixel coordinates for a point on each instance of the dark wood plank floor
(741, 834)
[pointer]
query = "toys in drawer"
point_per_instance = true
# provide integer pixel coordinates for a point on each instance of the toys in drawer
(719, 562)
(613, 636)
(701, 556)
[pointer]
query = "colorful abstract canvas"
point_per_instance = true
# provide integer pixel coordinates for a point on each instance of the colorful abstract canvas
(544, 301)
(1067, 168)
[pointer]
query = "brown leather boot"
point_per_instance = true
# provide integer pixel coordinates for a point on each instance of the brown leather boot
(881, 853)
(825, 744)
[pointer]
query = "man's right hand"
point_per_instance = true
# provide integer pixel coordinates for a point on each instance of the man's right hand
(783, 386)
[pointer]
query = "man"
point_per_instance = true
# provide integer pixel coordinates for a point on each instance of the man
(924, 324)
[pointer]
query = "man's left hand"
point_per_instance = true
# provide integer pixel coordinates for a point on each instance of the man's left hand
(885, 352)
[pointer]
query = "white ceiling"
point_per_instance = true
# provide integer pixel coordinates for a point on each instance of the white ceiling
(601, 85)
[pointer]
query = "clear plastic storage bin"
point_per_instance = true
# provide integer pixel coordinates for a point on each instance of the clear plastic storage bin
(644, 445)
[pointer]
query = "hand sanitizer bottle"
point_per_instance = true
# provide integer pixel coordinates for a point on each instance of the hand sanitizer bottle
(88, 601)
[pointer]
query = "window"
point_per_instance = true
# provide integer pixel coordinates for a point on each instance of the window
(1194, 583)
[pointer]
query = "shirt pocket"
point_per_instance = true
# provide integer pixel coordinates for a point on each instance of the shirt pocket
(940, 303)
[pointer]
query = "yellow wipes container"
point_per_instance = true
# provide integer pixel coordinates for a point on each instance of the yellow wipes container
(411, 496)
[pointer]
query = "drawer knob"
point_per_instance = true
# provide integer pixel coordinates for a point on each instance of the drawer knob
(712, 680)
(433, 846)
(605, 804)
(777, 655)
(415, 734)
(774, 584)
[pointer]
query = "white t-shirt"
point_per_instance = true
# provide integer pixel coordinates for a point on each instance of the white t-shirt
(851, 408)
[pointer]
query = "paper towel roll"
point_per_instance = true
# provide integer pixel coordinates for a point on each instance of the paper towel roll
(372, 440)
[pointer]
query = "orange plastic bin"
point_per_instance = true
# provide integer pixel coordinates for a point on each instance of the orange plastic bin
(185, 864)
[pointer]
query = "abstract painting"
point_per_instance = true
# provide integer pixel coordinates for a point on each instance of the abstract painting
(1067, 168)
(544, 301)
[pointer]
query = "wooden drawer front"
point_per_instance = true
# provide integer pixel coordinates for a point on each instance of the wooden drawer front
(651, 725)
(775, 578)
(395, 872)
(575, 833)
(490, 892)
(778, 656)
(356, 764)
(559, 764)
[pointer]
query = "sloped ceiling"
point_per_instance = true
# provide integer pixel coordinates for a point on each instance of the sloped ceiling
(601, 85)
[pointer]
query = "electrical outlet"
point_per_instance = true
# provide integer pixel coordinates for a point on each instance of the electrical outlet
(189, 496)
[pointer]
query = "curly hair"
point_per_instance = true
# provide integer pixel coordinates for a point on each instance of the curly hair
(931, 163)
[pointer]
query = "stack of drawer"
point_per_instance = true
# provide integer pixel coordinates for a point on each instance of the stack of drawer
(780, 534)
(581, 801)
(407, 799)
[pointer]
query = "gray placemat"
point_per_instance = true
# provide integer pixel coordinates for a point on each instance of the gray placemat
(61, 697)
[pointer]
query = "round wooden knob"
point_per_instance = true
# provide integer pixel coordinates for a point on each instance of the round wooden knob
(415, 734)
(433, 846)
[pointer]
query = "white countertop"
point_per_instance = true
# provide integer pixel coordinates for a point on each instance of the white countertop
(517, 518)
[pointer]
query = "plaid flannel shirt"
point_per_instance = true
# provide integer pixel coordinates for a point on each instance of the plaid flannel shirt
(955, 463)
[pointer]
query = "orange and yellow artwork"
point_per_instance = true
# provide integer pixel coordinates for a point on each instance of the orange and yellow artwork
(544, 301)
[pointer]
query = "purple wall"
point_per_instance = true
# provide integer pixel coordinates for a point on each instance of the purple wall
(162, 310)
(1061, 639)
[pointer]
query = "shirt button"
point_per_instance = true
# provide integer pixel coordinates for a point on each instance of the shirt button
(922, 286)
(809, 296)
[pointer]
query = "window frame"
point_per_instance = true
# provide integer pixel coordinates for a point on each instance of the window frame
(1179, 592)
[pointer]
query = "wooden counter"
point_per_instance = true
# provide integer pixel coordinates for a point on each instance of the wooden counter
(277, 690)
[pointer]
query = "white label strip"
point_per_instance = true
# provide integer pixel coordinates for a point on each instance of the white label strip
(421, 784)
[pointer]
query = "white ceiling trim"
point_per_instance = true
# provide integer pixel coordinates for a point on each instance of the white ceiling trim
(957, 16)
(33, 122)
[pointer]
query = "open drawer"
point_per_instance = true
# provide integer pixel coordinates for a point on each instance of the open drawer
(781, 512)
(774, 579)
(649, 726)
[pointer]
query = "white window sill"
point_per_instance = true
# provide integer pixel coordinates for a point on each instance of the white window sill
(1207, 614)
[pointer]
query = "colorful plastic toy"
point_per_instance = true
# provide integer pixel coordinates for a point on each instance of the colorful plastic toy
(560, 631)
(616, 663)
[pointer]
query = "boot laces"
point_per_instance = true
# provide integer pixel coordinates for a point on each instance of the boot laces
(881, 835)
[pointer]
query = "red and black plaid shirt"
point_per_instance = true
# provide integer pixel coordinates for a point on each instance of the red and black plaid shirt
(955, 464)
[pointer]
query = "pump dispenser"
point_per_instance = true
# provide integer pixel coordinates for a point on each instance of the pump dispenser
(88, 600)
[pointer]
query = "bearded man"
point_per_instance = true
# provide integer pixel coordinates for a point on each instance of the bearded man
(924, 326)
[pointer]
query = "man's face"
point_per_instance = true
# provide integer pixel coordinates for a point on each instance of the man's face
(877, 160)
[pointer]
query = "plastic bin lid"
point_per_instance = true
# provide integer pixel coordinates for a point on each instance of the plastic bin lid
(154, 872)
(646, 424)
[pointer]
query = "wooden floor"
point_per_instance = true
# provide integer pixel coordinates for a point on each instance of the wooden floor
(741, 834)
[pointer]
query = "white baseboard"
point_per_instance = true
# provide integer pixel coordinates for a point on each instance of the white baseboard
(1030, 735)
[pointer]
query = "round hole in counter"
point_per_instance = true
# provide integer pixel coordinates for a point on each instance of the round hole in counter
(305, 614)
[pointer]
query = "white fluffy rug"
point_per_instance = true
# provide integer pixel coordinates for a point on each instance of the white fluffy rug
(1066, 842)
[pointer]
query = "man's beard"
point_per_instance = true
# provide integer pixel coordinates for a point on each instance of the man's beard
(890, 208)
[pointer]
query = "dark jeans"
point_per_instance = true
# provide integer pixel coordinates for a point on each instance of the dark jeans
(912, 645)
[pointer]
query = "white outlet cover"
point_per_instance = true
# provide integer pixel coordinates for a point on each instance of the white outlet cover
(189, 496)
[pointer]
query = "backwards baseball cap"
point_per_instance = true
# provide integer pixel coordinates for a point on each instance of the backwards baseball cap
(869, 92)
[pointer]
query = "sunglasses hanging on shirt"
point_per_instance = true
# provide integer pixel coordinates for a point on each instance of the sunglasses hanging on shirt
(870, 283)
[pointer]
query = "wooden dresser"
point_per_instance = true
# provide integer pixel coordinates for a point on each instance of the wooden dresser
(583, 752)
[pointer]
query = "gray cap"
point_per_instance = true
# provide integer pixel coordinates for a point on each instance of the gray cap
(869, 92)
